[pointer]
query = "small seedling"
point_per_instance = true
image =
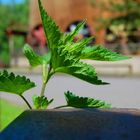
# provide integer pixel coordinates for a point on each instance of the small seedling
(64, 56)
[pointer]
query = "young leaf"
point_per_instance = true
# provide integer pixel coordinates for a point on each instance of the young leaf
(53, 34)
(41, 102)
(14, 84)
(77, 47)
(66, 55)
(70, 36)
(101, 53)
(33, 58)
(84, 102)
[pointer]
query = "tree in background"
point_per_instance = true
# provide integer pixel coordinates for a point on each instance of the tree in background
(124, 22)
(11, 15)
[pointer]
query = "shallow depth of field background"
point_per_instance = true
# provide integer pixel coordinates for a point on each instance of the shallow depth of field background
(119, 32)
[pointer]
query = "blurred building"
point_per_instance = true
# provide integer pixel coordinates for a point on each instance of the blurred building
(66, 13)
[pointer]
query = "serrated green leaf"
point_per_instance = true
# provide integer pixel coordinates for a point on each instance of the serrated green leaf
(101, 53)
(54, 36)
(70, 36)
(14, 84)
(84, 102)
(65, 56)
(41, 102)
(82, 71)
(52, 31)
(76, 48)
(33, 58)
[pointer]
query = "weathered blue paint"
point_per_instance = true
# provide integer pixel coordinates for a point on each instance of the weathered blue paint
(75, 124)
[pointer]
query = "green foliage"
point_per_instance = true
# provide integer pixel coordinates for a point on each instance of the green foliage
(14, 84)
(127, 6)
(70, 37)
(130, 22)
(4, 56)
(35, 59)
(101, 53)
(64, 56)
(41, 102)
(84, 102)
(52, 31)
(82, 71)
(128, 15)
(9, 18)
(65, 53)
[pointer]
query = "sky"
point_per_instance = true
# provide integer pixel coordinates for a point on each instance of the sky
(10, 1)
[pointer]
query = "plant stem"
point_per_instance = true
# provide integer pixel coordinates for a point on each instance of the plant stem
(46, 76)
(44, 72)
(62, 106)
(43, 89)
(26, 101)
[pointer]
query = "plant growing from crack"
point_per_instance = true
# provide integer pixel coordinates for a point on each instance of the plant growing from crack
(64, 56)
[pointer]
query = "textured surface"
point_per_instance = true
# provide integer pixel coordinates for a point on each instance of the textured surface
(73, 124)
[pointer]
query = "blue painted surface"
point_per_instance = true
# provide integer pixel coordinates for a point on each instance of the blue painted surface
(75, 124)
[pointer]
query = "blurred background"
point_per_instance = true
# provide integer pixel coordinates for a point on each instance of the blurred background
(114, 24)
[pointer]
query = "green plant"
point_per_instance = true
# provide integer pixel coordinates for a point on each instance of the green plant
(64, 56)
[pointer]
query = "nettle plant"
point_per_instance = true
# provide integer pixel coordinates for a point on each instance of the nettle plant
(64, 56)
